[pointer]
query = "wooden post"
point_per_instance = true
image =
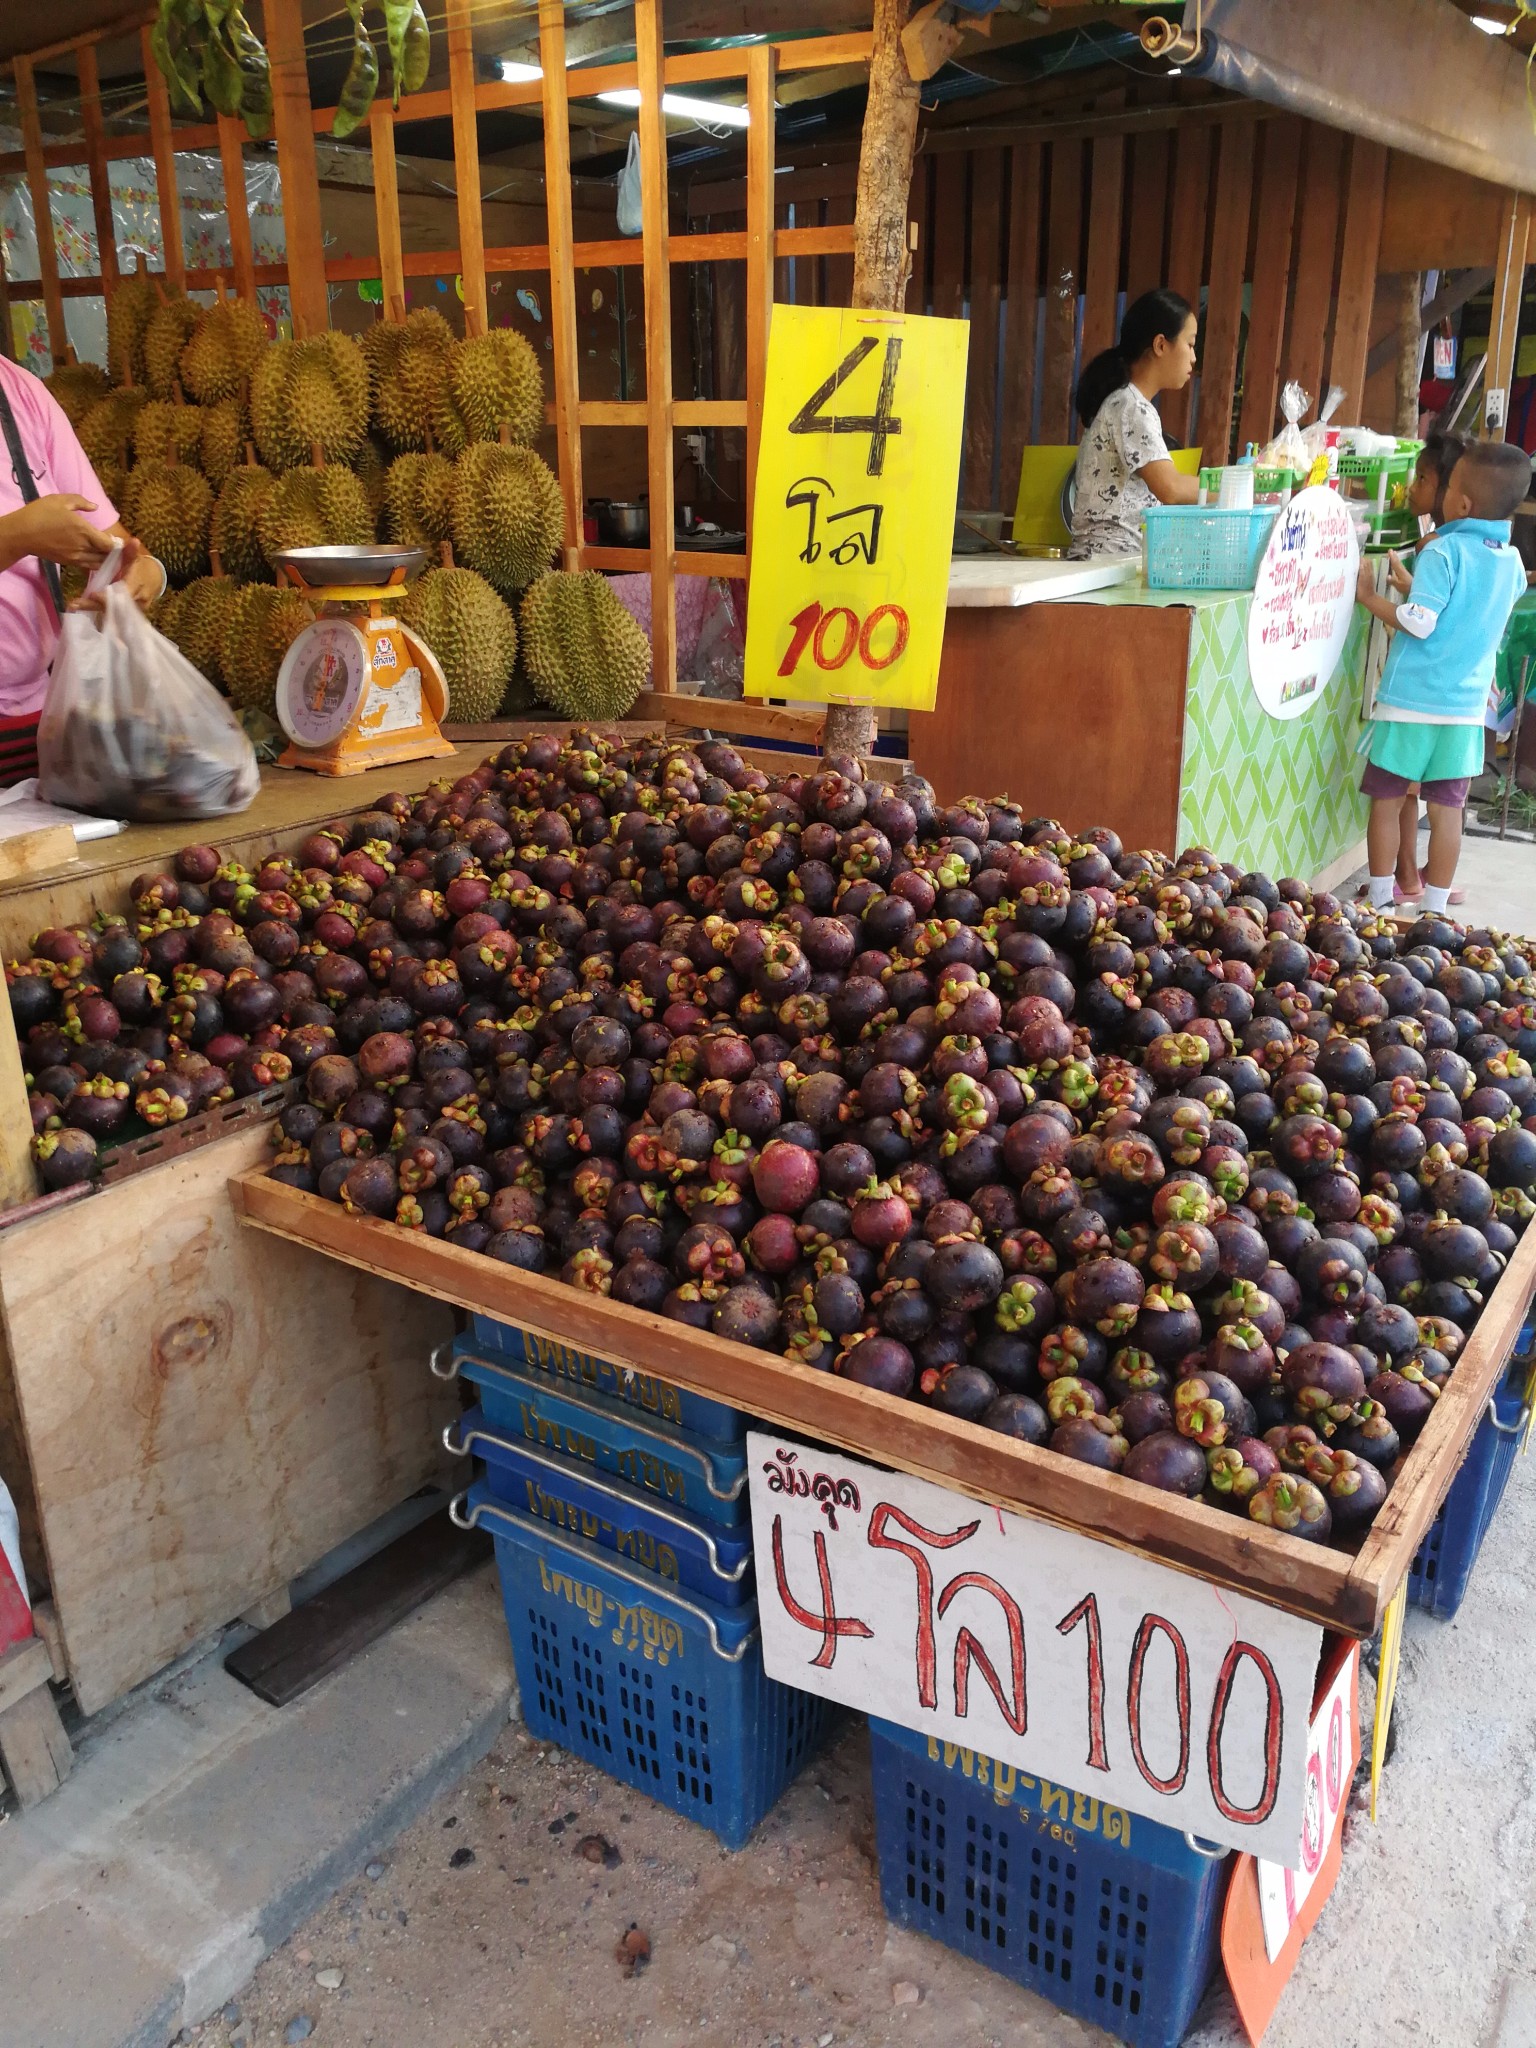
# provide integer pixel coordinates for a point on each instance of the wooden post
(1410, 344)
(1224, 301)
(562, 274)
(232, 162)
(161, 143)
(761, 66)
(1363, 209)
(37, 185)
(650, 63)
(1508, 288)
(1271, 281)
(96, 164)
(386, 200)
(466, 164)
(294, 128)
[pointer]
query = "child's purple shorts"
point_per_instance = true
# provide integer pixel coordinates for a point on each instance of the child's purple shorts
(1381, 782)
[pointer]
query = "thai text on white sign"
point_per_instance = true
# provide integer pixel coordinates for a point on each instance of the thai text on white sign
(1303, 602)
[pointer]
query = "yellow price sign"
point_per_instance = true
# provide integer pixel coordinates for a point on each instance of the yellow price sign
(854, 512)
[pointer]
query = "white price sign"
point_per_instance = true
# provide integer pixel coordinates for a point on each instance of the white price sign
(1303, 602)
(1064, 1657)
(1330, 1771)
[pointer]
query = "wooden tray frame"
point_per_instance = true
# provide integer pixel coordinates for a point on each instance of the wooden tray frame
(1330, 1586)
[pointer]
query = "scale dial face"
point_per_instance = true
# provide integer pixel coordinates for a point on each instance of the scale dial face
(321, 681)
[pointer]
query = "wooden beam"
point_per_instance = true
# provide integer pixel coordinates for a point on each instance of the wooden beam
(1063, 283)
(1364, 204)
(163, 147)
(1186, 247)
(761, 72)
(42, 211)
(658, 339)
(1105, 211)
(242, 257)
(466, 164)
(1317, 234)
(986, 308)
(1224, 302)
(562, 279)
(1508, 289)
(293, 125)
(96, 165)
(1023, 307)
(1271, 279)
(1147, 233)
(386, 200)
(109, 31)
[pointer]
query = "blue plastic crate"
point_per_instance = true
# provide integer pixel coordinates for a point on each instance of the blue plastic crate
(664, 1692)
(1442, 1569)
(546, 1359)
(1206, 547)
(715, 1562)
(1121, 1934)
(698, 1475)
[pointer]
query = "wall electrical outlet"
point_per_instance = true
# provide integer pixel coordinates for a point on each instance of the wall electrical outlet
(694, 443)
(1494, 405)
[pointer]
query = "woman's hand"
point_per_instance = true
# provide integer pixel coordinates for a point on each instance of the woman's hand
(56, 530)
(138, 572)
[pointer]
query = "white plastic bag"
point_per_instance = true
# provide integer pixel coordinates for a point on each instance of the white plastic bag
(131, 730)
(631, 211)
(1315, 437)
(1288, 450)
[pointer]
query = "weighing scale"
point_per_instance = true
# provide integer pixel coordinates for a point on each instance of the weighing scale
(357, 689)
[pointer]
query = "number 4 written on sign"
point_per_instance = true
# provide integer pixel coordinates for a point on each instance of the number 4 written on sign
(879, 424)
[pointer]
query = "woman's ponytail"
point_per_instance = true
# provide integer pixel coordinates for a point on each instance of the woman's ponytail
(1162, 312)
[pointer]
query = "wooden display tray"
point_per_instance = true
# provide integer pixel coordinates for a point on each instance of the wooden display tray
(1334, 1587)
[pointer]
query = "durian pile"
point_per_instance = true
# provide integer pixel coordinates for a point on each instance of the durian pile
(222, 448)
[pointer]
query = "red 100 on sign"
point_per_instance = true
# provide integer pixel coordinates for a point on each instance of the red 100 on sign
(832, 637)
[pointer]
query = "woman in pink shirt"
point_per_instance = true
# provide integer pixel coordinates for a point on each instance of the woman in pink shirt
(57, 516)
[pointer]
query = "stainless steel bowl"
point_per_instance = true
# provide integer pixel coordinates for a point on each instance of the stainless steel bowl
(323, 568)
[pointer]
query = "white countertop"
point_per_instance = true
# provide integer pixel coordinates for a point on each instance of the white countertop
(978, 580)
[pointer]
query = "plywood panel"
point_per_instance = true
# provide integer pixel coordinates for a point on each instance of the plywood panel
(1146, 237)
(1063, 283)
(213, 1415)
(949, 182)
(1186, 247)
(986, 302)
(1024, 200)
(1105, 211)
(1278, 174)
(1224, 301)
(1312, 280)
(1437, 219)
(1358, 253)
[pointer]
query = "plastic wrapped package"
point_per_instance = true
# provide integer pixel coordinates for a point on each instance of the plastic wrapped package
(1288, 450)
(1315, 435)
(131, 730)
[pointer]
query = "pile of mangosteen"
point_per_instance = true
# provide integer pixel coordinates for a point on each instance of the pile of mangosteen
(1178, 1171)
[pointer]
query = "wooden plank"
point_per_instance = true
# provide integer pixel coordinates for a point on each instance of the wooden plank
(702, 562)
(246, 1412)
(466, 164)
(612, 412)
(308, 1644)
(1146, 234)
(1186, 248)
(294, 129)
(23, 1668)
(1278, 175)
(1508, 290)
(947, 297)
(1224, 302)
(1063, 284)
(1304, 1578)
(18, 1175)
(1105, 213)
(658, 340)
(1024, 194)
(163, 148)
(711, 412)
(232, 162)
(562, 281)
(42, 212)
(386, 200)
(1359, 249)
(986, 309)
(96, 165)
(1317, 231)
(45, 1619)
(761, 721)
(36, 853)
(34, 1748)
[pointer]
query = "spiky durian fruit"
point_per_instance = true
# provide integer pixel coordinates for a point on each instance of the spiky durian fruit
(450, 430)
(162, 614)
(586, 656)
(222, 351)
(406, 366)
(472, 633)
(222, 434)
(496, 377)
(263, 624)
(313, 508)
(77, 387)
(235, 529)
(197, 627)
(106, 432)
(165, 432)
(418, 500)
(129, 311)
(508, 517)
(305, 393)
(168, 506)
(164, 339)
(371, 465)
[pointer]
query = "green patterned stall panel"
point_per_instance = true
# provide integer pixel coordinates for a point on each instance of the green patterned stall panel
(1282, 795)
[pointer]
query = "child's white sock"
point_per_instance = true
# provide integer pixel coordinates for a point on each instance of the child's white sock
(1436, 901)
(1379, 890)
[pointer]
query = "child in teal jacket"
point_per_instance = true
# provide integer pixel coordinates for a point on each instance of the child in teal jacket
(1428, 727)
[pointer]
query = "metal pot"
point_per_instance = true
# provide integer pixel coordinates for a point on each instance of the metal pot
(623, 525)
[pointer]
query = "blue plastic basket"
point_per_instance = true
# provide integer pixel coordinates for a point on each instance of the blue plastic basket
(676, 1548)
(548, 1361)
(1442, 1569)
(699, 1475)
(1206, 547)
(1123, 1935)
(662, 1691)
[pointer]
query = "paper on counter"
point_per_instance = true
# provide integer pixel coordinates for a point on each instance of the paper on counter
(23, 810)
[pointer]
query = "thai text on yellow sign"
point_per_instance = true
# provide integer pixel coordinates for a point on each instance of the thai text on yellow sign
(854, 511)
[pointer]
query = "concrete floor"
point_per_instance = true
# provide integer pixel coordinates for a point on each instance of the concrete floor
(1499, 877)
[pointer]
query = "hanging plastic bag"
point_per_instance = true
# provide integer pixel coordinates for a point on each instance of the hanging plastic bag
(1315, 437)
(1288, 450)
(631, 210)
(131, 730)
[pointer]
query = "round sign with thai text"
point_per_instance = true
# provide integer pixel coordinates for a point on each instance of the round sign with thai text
(1303, 602)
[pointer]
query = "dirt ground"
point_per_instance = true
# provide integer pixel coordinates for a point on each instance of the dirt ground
(487, 1927)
